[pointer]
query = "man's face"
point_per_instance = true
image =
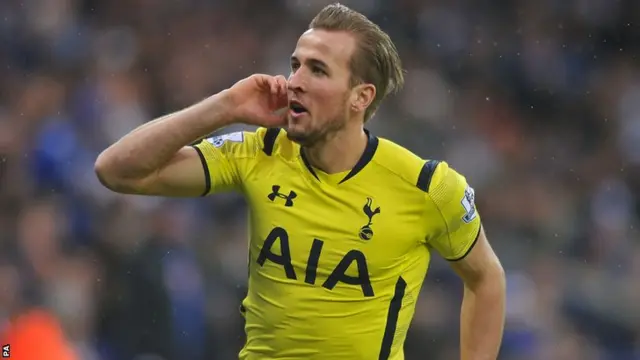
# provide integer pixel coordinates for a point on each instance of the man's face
(319, 87)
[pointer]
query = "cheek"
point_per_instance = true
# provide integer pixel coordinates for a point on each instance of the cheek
(330, 100)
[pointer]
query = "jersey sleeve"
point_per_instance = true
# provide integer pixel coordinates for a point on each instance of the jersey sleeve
(459, 224)
(228, 158)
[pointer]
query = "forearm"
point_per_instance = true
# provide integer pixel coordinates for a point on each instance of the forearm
(482, 319)
(152, 145)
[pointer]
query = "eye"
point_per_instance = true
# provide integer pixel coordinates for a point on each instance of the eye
(318, 71)
(294, 66)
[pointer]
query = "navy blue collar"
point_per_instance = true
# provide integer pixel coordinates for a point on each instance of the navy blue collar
(367, 155)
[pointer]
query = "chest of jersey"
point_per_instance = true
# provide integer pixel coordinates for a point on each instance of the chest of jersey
(348, 235)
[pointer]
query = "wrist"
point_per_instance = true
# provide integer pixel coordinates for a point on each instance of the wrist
(218, 110)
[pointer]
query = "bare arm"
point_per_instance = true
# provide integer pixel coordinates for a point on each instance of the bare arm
(483, 306)
(154, 160)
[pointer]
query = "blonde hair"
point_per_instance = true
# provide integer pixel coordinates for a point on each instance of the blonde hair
(375, 60)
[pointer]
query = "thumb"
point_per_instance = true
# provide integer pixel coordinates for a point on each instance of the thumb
(278, 117)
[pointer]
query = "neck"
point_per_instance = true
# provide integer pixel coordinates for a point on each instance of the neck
(340, 151)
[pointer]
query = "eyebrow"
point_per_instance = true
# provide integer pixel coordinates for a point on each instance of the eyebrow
(311, 61)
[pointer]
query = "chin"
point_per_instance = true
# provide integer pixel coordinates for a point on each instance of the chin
(298, 137)
(297, 133)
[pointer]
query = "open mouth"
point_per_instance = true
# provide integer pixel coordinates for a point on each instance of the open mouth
(297, 108)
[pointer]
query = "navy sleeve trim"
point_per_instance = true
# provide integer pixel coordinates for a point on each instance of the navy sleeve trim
(270, 140)
(426, 174)
(207, 175)
(470, 247)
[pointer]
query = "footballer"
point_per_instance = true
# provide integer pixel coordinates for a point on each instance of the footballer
(342, 223)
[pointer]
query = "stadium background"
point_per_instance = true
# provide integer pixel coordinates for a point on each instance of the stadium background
(537, 102)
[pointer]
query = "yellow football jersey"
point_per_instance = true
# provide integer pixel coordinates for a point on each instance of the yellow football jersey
(336, 261)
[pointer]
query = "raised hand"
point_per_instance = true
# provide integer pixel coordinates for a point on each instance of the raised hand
(257, 99)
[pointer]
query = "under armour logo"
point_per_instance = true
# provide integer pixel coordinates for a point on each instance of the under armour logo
(276, 193)
(366, 233)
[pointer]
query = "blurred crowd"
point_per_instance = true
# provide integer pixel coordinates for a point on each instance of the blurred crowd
(536, 102)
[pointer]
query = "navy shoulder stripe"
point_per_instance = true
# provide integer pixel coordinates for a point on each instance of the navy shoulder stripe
(270, 140)
(424, 179)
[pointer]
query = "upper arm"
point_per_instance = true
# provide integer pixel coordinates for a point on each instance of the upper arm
(459, 236)
(183, 176)
(227, 159)
(480, 262)
(457, 222)
(215, 164)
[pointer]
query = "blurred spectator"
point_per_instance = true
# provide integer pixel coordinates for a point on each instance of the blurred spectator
(37, 335)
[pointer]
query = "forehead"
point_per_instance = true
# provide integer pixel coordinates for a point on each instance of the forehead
(331, 47)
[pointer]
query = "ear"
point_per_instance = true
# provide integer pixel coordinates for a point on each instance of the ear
(362, 96)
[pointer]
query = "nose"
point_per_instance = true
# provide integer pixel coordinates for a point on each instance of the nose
(295, 82)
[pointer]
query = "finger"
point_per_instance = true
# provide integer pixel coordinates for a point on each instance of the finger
(274, 86)
(282, 85)
(283, 99)
(262, 81)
